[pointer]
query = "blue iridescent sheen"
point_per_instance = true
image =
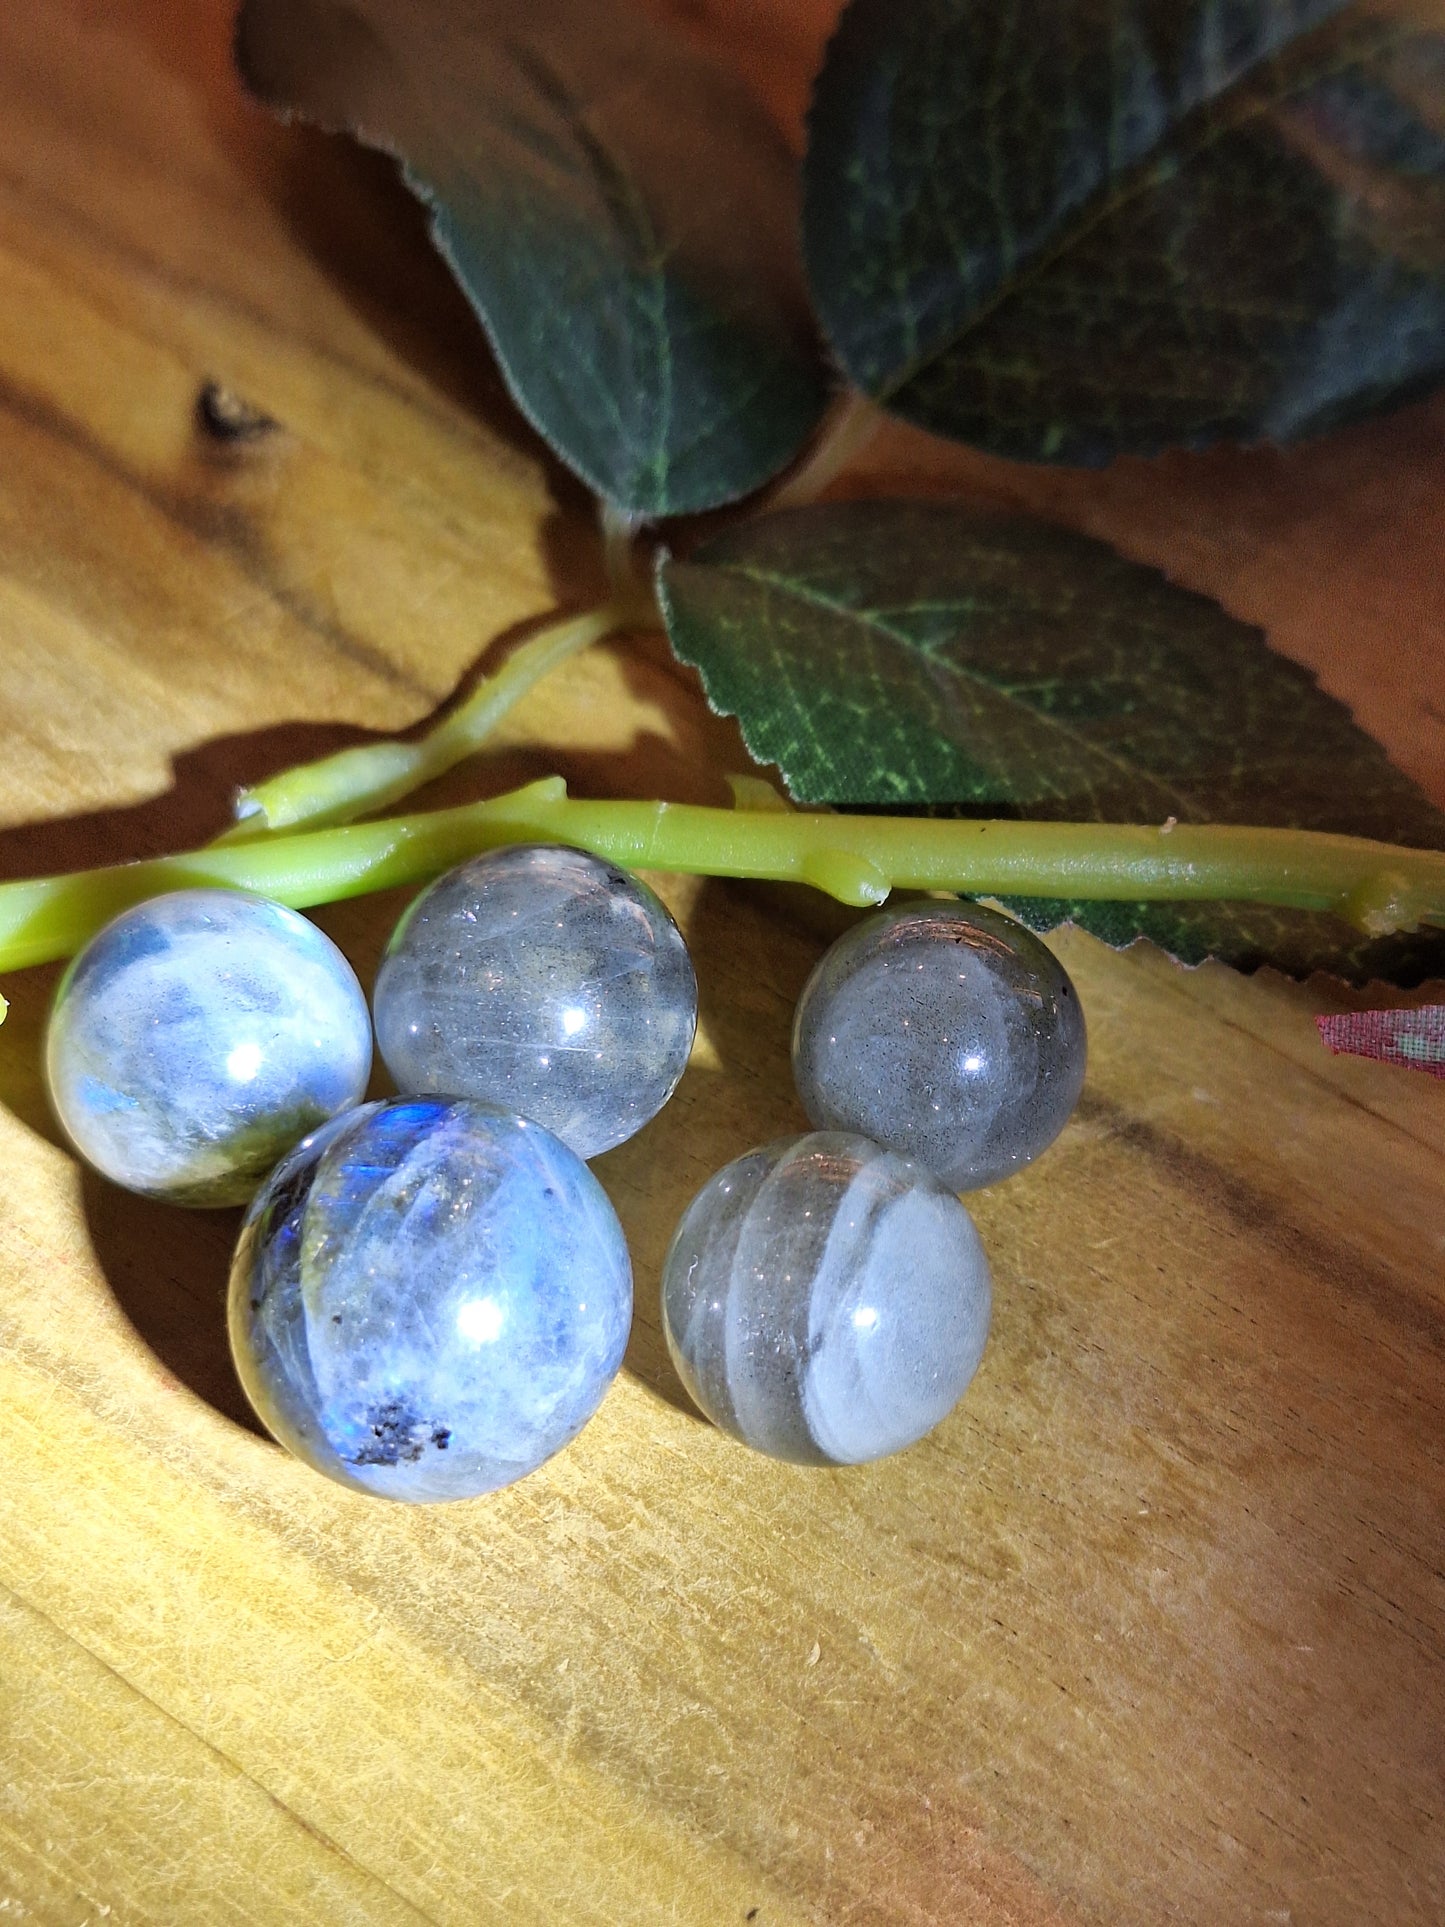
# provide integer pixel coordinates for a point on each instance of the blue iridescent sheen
(197, 1037)
(429, 1298)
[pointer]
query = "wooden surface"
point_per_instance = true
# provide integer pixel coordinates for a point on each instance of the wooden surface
(1150, 1630)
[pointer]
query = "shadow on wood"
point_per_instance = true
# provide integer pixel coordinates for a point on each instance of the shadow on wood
(167, 1268)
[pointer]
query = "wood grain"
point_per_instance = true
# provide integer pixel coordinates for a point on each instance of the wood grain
(1151, 1630)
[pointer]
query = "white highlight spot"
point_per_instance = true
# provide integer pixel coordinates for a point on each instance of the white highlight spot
(244, 1062)
(865, 1318)
(573, 1021)
(480, 1320)
(973, 1063)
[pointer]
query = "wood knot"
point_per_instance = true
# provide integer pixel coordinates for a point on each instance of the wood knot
(228, 417)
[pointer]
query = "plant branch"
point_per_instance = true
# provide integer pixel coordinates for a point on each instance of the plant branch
(1379, 887)
(357, 782)
(852, 424)
(626, 582)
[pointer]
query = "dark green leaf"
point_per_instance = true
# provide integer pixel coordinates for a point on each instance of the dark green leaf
(619, 210)
(923, 655)
(1071, 231)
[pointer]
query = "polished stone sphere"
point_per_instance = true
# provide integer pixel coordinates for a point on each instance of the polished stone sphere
(544, 979)
(429, 1298)
(825, 1301)
(947, 1032)
(197, 1037)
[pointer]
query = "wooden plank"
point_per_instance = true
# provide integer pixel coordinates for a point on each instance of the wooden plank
(1151, 1629)
(81, 1743)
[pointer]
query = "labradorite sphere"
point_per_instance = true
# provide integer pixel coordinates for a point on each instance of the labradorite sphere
(430, 1297)
(197, 1037)
(546, 980)
(825, 1300)
(947, 1032)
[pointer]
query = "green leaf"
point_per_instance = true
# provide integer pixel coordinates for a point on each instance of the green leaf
(619, 210)
(913, 655)
(1073, 231)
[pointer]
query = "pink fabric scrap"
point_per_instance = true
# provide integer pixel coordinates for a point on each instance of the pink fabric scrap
(1412, 1038)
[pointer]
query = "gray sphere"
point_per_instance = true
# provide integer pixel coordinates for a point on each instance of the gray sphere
(947, 1032)
(826, 1301)
(546, 980)
(198, 1037)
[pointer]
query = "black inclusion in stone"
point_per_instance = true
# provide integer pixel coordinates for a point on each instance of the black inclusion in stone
(398, 1436)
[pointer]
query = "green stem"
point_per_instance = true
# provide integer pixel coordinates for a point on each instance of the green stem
(356, 782)
(1379, 887)
(853, 423)
(628, 584)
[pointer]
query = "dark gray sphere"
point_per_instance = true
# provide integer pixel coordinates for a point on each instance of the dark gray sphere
(944, 1031)
(546, 980)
